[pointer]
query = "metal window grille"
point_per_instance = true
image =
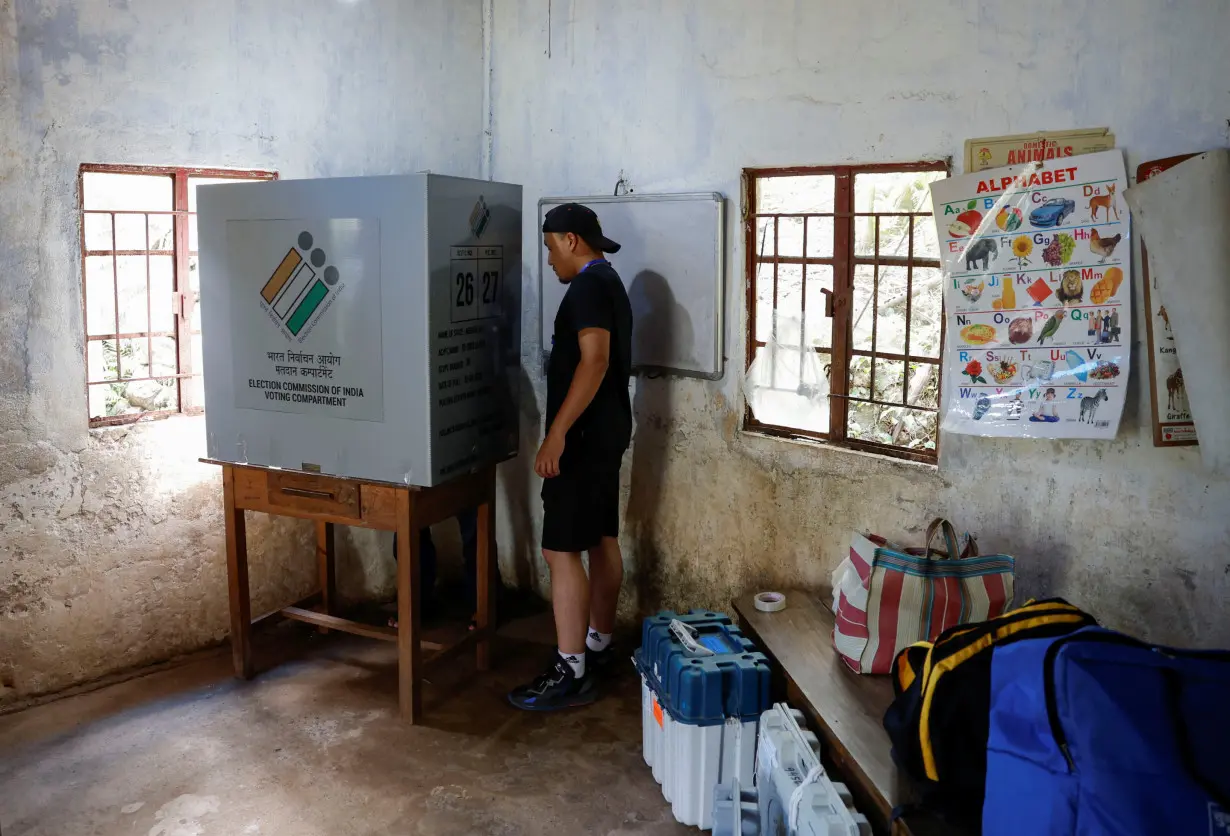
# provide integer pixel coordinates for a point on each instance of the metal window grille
(139, 288)
(844, 288)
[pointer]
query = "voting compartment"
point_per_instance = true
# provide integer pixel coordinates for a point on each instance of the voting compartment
(362, 327)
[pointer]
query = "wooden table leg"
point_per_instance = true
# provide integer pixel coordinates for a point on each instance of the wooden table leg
(487, 571)
(237, 579)
(326, 559)
(409, 665)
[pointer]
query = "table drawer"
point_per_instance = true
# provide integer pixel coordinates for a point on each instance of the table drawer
(317, 497)
(343, 501)
(314, 494)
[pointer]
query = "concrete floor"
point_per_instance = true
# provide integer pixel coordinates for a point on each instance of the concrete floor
(313, 746)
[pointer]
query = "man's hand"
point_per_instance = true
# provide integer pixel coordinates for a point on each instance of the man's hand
(595, 346)
(546, 464)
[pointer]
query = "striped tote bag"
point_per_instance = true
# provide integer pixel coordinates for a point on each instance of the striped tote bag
(886, 598)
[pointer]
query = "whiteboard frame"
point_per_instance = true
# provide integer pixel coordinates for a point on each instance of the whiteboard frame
(719, 272)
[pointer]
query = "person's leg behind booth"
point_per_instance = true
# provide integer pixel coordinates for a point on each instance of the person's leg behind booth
(467, 522)
(427, 572)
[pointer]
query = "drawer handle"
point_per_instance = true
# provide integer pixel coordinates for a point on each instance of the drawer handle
(308, 493)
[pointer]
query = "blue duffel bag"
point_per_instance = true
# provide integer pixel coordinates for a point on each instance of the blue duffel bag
(1098, 733)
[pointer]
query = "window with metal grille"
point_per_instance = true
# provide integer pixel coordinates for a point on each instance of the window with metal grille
(845, 305)
(139, 289)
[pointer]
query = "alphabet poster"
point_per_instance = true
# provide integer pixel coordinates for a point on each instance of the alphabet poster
(1036, 261)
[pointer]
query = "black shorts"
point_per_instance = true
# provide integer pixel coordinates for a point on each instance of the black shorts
(581, 505)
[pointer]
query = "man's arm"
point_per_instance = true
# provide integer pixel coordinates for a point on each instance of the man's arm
(595, 346)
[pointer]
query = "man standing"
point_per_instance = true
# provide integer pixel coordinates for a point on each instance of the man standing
(589, 426)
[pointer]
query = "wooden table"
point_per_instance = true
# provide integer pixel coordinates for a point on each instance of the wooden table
(845, 708)
(332, 500)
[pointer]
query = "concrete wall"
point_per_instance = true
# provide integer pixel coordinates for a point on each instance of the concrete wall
(111, 551)
(111, 542)
(682, 94)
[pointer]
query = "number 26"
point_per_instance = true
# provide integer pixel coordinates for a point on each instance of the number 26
(465, 289)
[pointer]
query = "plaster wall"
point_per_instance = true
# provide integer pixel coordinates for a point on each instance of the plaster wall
(111, 541)
(680, 95)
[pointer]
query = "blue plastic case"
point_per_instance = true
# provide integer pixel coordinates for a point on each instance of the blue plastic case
(703, 690)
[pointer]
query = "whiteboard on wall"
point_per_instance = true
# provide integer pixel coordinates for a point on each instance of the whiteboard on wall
(672, 261)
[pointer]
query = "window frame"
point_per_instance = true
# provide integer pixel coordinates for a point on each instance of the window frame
(183, 298)
(843, 262)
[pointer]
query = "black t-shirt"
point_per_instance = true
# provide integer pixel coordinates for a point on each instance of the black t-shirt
(596, 298)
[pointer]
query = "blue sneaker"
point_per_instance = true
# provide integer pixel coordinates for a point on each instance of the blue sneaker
(557, 687)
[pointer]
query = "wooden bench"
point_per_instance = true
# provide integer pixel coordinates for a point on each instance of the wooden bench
(845, 709)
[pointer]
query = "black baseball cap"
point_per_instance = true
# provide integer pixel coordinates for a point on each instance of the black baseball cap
(581, 222)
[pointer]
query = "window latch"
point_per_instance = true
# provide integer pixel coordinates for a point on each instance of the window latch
(182, 303)
(828, 302)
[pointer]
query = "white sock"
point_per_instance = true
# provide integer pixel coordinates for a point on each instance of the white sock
(596, 641)
(576, 661)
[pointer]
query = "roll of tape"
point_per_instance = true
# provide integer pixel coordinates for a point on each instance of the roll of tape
(770, 601)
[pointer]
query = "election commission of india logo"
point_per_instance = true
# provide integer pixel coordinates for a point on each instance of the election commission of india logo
(479, 216)
(300, 284)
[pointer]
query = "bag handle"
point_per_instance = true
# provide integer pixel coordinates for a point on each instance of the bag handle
(950, 538)
(971, 546)
(1174, 696)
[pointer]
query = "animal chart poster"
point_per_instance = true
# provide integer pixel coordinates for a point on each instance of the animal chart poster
(1036, 260)
(1172, 418)
(997, 151)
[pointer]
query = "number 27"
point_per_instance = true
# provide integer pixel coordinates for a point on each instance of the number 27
(491, 286)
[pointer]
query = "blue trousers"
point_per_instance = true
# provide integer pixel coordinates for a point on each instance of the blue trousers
(467, 521)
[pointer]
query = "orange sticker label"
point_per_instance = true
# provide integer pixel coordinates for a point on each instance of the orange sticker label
(657, 711)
